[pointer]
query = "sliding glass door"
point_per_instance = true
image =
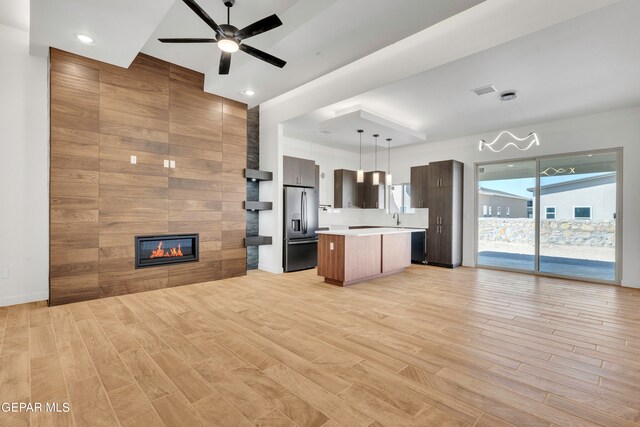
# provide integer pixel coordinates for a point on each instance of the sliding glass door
(506, 221)
(578, 216)
(569, 227)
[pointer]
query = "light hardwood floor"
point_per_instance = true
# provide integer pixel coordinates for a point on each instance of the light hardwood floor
(427, 347)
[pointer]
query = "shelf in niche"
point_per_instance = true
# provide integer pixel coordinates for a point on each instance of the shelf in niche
(258, 206)
(257, 241)
(258, 175)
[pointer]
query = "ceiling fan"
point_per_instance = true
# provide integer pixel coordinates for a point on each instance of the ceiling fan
(230, 39)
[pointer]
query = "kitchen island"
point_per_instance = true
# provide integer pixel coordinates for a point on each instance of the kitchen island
(346, 257)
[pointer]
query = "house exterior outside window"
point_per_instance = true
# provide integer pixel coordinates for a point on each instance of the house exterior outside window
(550, 212)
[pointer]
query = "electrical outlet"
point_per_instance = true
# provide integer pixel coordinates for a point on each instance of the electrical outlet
(172, 164)
(166, 163)
(134, 160)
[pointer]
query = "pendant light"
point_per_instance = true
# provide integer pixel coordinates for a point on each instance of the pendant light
(376, 174)
(360, 173)
(507, 139)
(389, 179)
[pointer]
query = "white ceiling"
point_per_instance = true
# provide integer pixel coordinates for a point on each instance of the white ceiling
(120, 28)
(316, 38)
(587, 64)
(345, 125)
(15, 13)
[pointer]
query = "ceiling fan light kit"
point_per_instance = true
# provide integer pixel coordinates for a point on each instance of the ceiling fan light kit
(230, 39)
(228, 45)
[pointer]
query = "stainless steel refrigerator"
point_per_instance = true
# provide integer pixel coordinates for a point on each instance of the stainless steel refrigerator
(300, 249)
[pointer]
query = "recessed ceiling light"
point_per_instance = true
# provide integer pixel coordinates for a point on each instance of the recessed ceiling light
(248, 92)
(508, 96)
(510, 166)
(84, 38)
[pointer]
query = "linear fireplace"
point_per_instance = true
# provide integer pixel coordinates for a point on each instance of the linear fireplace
(166, 249)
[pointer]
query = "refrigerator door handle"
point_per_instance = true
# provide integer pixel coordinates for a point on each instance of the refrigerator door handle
(303, 242)
(304, 212)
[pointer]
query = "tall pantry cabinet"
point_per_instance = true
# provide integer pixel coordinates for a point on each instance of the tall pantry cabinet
(444, 200)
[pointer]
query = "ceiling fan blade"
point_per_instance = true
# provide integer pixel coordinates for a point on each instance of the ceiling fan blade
(262, 55)
(187, 40)
(204, 16)
(259, 27)
(225, 63)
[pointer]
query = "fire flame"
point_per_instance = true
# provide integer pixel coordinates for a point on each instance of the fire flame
(161, 253)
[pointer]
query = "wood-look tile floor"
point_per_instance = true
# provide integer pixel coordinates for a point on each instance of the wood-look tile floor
(427, 347)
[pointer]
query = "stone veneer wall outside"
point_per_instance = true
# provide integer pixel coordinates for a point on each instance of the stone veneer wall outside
(553, 232)
(253, 188)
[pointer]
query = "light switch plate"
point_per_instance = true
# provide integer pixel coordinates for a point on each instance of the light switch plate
(166, 163)
(330, 246)
(134, 160)
(172, 164)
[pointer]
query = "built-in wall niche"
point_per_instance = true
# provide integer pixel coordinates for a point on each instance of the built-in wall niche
(152, 251)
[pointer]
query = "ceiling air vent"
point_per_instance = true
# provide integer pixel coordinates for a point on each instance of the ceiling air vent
(484, 90)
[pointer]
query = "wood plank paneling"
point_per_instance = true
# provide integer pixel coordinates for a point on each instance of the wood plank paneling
(74, 173)
(101, 115)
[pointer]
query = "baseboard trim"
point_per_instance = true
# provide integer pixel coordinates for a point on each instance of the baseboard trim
(631, 284)
(23, 299)
(270, 269)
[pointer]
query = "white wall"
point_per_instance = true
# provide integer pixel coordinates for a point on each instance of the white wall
(605, 130)
(24, 156)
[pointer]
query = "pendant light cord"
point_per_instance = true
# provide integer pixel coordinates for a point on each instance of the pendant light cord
(388, 155)
(375, 167)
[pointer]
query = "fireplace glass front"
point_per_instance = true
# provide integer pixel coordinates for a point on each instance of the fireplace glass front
(166, 249)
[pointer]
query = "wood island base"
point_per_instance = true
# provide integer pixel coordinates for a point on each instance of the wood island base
(353, 256)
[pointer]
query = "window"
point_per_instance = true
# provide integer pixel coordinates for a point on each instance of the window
(498, 211)
(484, 210)
(489, 210)
(508, 211)
(400, 199)
(582, 212)
(550, 212)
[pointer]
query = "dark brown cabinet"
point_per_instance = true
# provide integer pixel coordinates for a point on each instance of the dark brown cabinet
(444, 240)
(441, 174)
(345, 189)
(372, 196)
(349, 193)
(419, 186)
(298, 172)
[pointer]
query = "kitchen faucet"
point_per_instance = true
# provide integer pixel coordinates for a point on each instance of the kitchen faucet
(396, 215)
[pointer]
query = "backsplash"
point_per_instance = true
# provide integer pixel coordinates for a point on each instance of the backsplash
(419, 219)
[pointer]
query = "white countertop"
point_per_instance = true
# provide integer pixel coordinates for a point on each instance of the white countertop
(367, 231)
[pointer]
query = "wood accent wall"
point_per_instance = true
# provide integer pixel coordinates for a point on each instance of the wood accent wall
(101, 115)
